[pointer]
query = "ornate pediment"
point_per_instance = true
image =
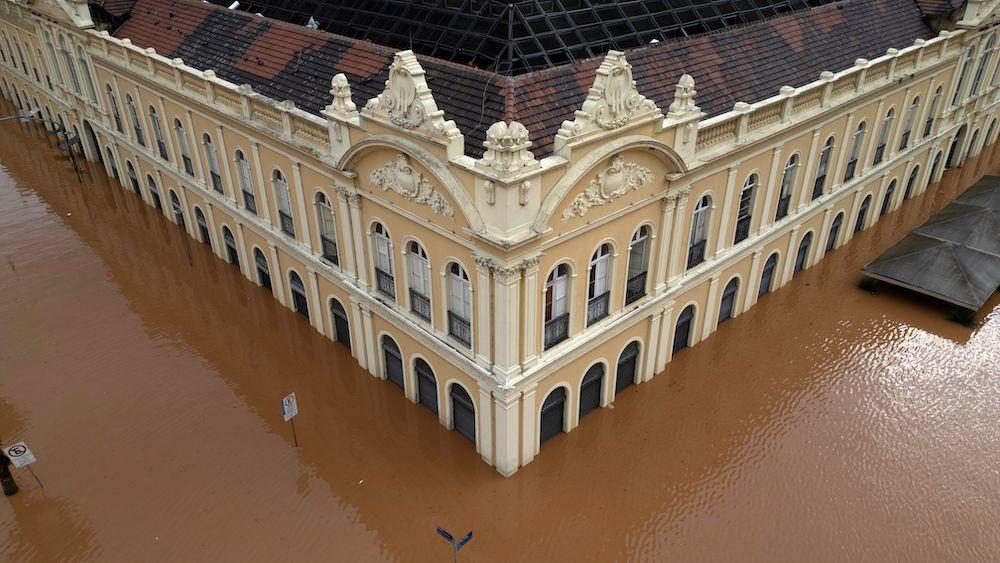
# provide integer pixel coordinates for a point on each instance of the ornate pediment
(399, 176)
(76, 12)
(407, 102)
(610, 184)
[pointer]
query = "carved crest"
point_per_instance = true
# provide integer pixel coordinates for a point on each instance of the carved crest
(507, 148)
(613, 100)
(397, 175)
(610, 184)
(407, 101)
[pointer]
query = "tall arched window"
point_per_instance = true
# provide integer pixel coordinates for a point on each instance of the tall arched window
(54, 59)
(787, 186)
(699, 232)
(327, 229)
(887, 200)
(70, 65)
(557, 306)
(113, 106)
(911, 117)
(599, 284)
(744, 214)
(420, 280)
(20, 56)
(87, 78)
(883, 137)
(459, 304)
(970, 55)
(133, 115)
(384, 280)
(284, 200)
(246, 182)
(133, 179)
(182, 142)
(154, 122)
(638, 265)
(911, 183)
(45, 68)
(984, 59)
(823, 168)
(852, 163)
(932, 111)
(212, 159)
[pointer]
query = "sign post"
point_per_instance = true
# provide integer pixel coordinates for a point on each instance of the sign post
(20, 456)
(456, 544)
(290, 408)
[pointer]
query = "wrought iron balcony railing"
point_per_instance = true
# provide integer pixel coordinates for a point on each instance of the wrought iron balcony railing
(635, 287)
(420, 304)
(597, 308)
(460, 329)
(556, 330)
(385, 283)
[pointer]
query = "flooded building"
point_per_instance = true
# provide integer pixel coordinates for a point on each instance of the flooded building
(514, 223)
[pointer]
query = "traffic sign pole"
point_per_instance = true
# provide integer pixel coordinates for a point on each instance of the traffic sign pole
(295, 438)
(40, 485)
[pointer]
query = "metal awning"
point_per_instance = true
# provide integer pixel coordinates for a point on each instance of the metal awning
(953, 256)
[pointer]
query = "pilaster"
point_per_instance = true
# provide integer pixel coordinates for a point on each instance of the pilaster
(725, 239)
(277, 275)
(678, 242)
(264, 208)
(710, 314)
(507, 415)
(667, 207)
(300, 195)
(316, 311)
(665, 351)
(653, 344)
(808, 176)
(767, 217)
(790, 255)
(481, 293)
(753, 282)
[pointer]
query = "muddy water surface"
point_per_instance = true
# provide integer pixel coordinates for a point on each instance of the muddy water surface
(825, 424)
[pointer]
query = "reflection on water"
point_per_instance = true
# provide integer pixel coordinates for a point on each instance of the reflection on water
(146, 374)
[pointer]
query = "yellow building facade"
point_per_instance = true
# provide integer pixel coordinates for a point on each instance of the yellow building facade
(511, 294)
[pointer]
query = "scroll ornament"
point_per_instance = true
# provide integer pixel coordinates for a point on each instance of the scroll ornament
(399, 176)
(610, 184)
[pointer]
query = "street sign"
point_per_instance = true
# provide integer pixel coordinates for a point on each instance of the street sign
(464, 540)
(289, 407)
(446, 535)
(455, 544)
(20, 455)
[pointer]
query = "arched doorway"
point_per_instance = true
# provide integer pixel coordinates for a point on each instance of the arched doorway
(803, 255)
(113, 165)
(132, 178)
(625, 374)
(863, 213)
(393, 359)
(341, 328)
(591, 388)
(203, 233)
(970, 151)
(427, 394)
(231, 250)
(155, 194)
(175, 204)
(767, 275)
(92, 141)
(553, 414)
(682, 330)
(263, 271)
(728, 302)
(463, 413)
(887, 200)
(911, 183)
(299, 300)
(831, 241)
(955, 152)
(935, 168)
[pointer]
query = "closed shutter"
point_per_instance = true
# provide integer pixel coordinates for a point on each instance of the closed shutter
(626, 367)
(590, 389)
(552, 415)
(426, 387)
(463, 413)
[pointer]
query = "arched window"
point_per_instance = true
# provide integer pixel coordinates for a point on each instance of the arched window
(284, 200)
(420, 280)
(154, 193)
(744, 214)
(599, 284)
(553, 417)
(384, 280)
(182, 142)
(787, 185)
(54, 59)
(862, 213)
(70, 65)
(911, 183)
(728, 302)
(426, 385)
(20, 56)
(232, 252)
(984, 59)
(263, 271)
(932, 111)
(327, 229)
(113, 106)
(299, 300)
(459, 304)
(212, 159)
(246, 182)
(133, 179)
(112, 164)
(557, 306)
(852, 163)
(831, 240)
(638, 265)
(683, 329)
(699, 232)
(887, 200)
(203, 232)
(970, 55)
(883, 138)
(767, 275)
(911, 117)
(87, 78)
(45, 68)
(178, 209)
(802, 257)
(161, 145)
(591, 388)
(133, 114)
(393, 359)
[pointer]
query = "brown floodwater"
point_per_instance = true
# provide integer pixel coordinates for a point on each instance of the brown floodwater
(827, 423)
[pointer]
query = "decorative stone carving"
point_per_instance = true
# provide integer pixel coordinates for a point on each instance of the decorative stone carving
(522, 193)
(491, 192)
(340, 89)
(613, 100)
(610, 184)
(397, 175)
(507, 274)
(684, 95)
(407, 101)
(483, 263)
(507, 148)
